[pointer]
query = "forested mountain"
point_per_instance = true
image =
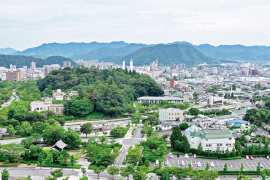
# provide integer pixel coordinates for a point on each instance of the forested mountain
(107, 52)
(107, 91)
(168, 54)
(68, 49)
(20, 61)
(234, 52)
(7, 50)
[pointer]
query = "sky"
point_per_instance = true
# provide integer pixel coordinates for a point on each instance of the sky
(30, 23)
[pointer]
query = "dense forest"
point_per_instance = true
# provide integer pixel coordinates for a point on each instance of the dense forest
(108, 91)
(20, 61)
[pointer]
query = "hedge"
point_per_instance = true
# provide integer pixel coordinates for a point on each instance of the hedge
(9, 165)
(206, 157)
(177, 152)
(258, 155)
(252, 172)
(231, 158)
(76, 166)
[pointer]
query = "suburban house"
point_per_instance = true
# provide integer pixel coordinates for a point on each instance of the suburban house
(170, 114)
(210, 139)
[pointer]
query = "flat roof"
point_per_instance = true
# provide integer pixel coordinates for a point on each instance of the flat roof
(237, 121)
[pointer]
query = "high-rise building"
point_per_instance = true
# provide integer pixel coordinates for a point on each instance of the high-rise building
(14, 75)
(172, 83)
(131, 65)
(124, 62)
(12, 67)
(66, 64)
(49, 68)
(33, 65)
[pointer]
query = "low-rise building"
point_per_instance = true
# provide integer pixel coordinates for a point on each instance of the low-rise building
(45, 106)
(215, 100)
(159, 99)
(14, 75)
(59, 95)
(170, 114)
(210, 139)
(237, 123)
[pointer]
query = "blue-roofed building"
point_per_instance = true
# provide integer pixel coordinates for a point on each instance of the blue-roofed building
(237, 123)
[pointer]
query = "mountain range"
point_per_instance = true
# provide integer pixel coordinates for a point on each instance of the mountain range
(177, 52)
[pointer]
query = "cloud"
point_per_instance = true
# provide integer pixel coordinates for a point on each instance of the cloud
(25, 24)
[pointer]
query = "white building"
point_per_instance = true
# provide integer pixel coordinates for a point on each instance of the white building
(59, 95)
(170, 114)
(210, 139)
(38, 106)
(154, 99)
(214, 100)
(49, 68)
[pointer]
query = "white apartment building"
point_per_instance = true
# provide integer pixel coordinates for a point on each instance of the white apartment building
(170, 114)
(210, 139)
(49, 68)
(214, 100)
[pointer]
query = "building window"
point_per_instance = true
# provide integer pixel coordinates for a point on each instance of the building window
(208, 145)
(230, 138)
(219, 145)
(228, 144)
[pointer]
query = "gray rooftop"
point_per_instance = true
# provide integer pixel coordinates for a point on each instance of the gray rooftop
(160, 98)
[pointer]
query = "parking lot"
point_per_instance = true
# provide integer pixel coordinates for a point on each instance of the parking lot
(218, 164)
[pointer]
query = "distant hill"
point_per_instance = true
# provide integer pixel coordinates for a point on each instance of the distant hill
(7, 51)
(20, 61)
(168, 54)
(107, 52)
(67, 49)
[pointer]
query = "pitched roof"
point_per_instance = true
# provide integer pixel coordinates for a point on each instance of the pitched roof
(60, 144)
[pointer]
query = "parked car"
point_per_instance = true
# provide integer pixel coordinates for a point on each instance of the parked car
(267, 157)
(247, 157)
(251, 157)
(195, 156)
(157, 163)
(262, 167)
(166, 163)
(199, 164)
(183, 163)
(212, 164)
(186, 155)
(170, 155)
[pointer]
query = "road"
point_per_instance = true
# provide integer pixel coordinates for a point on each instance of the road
(12, 98)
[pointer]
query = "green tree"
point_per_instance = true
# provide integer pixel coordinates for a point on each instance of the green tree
(50, 159)
(79, 107)
(72, 161)
(86, 128)
(207, 166)
(227, 153)
(259, 150)
(72, 139)
(242, 167)
(194, 111)
(5, 174)
(98, 170)
(225, 169)
(118, 131)
(57, 173)
(40, 159)
(83, 170)
(200, 149)
(135, 118)
(52, 134)
(11, 130)
(259, 167)
(113, 170)
(61, 160)
(234, 87)
(11, 113)
(125, 172)
(139, 175)
(84, 178)
(184, 126)
(266, 147)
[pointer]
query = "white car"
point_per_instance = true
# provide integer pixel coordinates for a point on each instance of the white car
(186, 155)
(194, 156)
(183, 163)
(247, 157)
(170, 155)
(199, 164)
(212, 164)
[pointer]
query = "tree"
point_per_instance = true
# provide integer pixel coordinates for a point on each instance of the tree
(78, 107)
(225, 169)
(83, 170)
(118, 131)
(61, 121)
(259, 167)
(184, 126)
(243, 177)
(207, 166)
(259, 150)
(98, 170)
(135, 118)
(86, 128)
(11, 113)
(266, 147)
(194, 111)
(72, 139)
(61, 160)
(200, 149)
(5, 174)
(40, 159)
(10, 130)
(125, 172)
(50, 159)
(176, 135)
(52, 134)
(227, 153)
(84, 178)
(113, 170)
(242, 167)
(72, 161)
(234, 87)
(27, 142)
(57, 173)
(139, 175)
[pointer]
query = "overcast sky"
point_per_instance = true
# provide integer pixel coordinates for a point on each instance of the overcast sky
(30, 23)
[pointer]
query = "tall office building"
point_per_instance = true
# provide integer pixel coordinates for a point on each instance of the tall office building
(12, 67)
(124, 64)
(66, 64)
(14, 75)
(33, 65)
(172, 83)
(49, 68)
(131, 65)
